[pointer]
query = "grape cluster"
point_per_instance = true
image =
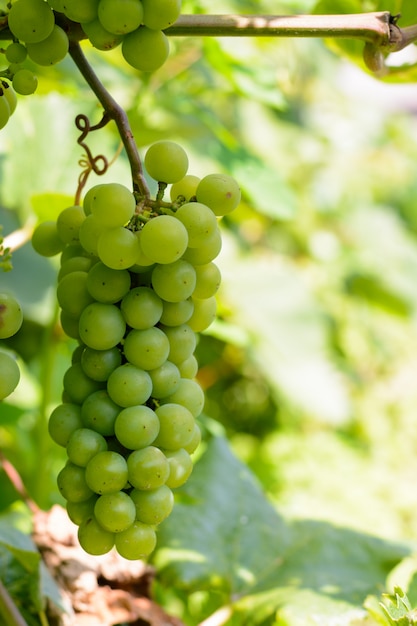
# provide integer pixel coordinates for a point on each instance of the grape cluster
(135, 287)
(11, 318)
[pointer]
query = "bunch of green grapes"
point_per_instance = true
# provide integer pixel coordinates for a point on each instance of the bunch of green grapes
(134, 288)
(11, 318)
(135, 24)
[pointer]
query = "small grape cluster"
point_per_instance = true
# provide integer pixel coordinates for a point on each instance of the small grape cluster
(135, 287)
(11, 318)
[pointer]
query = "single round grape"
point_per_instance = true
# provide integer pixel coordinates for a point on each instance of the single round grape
(77, 385)
(147, 349)
(83, 445)
(10, 95)
(160, 14)
(50, 50)
(99, 413)
(78, 512)
(163, 239)
(11, 315)
(174, 281)
(184, 188)
(31, 20)
(115, 512)
(136, 427)
(148, 468)
(220, 192)
(75, 264)
(77, 11)
(136, 47)
(106, 284)
(166, 161)
(118, 248)
(106, 472)
(4, 111)
(199, 220)
(45, 239)
(205, 253)
(137, 542)
(63, 421)
(72, 293)
(208, 279)
(154, 505)
(189, 367)
(121, 17)
(89, 233)
(16, 52)
(99, 364)
(68, 223)
(76, 354)
(204, 314)
(177, 313)
(71, 250)
(189, 394)
(180, 467)
(24, 81)
(176, 426)
(101, 326)
(129, 385)
(165, 380)
(141, 308)
(69, 325)
(72, 484)
(112, 204)
(93, 538)
(9, 374)
(195, 440)
(182, 341)
(99, 37)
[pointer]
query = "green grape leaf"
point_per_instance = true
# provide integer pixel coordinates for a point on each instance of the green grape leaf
(374, 290)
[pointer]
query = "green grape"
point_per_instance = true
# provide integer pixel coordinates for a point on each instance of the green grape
(203, 315)
(174, 281)
(115, 512)
(72, 483)
(89, 233)
(63, 421)
(120, 16)
(9, 374)
(112, 204)
(77, 11)
(10, 95)
(77, 385)
(51, 50)
(4, 111)
(16, 52)
(180, 467)
(106, 472)
(199, 220)
(163, 239)
(99, 413)
(75, 264)
(205, 253)
(189, 367)
(31, 20)
(182, 342)
(80, 511)
(45, 239)
(136, 47)
(176, 426)
(68, 223)
(147, 349)
(208, 279)
(148, 468)
(83, 445)
(160, 14)
(137, 542)
(177, 313)
(11, 315)
(93, 538)
(154, 505)
(141, 308)
(101, 326)
(166, 161)
(195, 440)
(165, 379)
(220, 192)
(106, 284)
(72, 293)
(136, 427)
(69, 325)
(76, 354)
(184, 188)
(129, 385)
(118, 248)
(71, 250)
(99, 37)
(189, 394)
(99, 364)
(24, 81)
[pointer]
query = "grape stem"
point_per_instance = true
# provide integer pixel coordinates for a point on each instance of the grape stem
(114, 111)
